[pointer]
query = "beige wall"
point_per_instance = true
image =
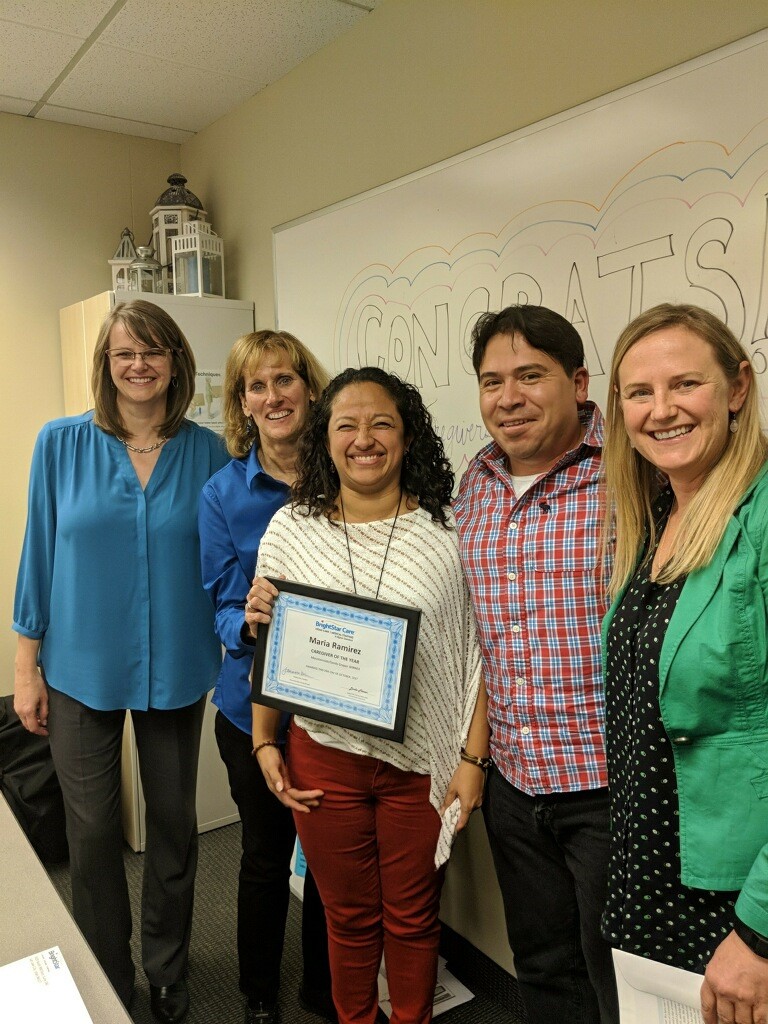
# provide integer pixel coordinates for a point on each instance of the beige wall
(66, 193)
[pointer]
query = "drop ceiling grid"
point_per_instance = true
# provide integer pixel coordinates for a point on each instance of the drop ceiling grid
(159, 69)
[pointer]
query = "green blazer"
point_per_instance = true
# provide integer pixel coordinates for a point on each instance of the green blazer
(713, 698)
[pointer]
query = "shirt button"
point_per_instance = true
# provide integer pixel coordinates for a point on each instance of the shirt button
(513, 525)
(520, 681)
(525, 730)
(515, 629)
(512, 576)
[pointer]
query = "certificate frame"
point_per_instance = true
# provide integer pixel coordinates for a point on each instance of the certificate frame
(305, 661)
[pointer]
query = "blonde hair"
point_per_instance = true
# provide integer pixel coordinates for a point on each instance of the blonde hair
(247, 353)
(149, 324)
(632, 483)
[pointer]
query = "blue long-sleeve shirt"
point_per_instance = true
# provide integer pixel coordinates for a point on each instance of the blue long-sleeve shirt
(109, 579)
(236, 506)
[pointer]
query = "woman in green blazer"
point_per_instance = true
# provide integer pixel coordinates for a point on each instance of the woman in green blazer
(686, 658)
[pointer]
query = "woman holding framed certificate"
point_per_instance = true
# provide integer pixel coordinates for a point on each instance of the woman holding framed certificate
(271, 379)
(371, 517)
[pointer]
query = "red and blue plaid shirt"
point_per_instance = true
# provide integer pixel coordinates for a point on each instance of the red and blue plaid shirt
(538, 593)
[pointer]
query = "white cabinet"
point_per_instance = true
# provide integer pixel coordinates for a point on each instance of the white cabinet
(211, 326)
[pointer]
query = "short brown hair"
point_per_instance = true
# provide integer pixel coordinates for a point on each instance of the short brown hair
(152, 326)
(246, 354)
(542, 328)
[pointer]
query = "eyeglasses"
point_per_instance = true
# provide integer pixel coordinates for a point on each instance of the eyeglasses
(144, 355)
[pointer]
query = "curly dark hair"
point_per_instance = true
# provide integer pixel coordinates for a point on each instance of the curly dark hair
(426, 473)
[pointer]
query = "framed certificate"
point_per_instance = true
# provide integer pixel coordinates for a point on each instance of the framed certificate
(337, 658)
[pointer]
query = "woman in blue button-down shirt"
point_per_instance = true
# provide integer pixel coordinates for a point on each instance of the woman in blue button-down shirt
(270, 381)
(111, 616)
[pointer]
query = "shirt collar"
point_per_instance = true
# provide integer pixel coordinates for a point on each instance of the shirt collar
(252, 466)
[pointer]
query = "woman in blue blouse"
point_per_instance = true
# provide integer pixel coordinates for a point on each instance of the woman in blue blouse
(271, 379)
(111, 616)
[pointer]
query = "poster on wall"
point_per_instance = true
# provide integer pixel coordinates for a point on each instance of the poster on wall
(206, 407)
(655, 193)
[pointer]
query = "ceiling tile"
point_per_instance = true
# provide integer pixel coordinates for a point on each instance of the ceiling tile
(255, 39)
(32, 58)
(76, 17)
(160, 69)
(12, 105)
(144, 88)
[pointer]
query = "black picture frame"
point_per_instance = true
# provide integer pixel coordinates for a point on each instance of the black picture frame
(332, 607)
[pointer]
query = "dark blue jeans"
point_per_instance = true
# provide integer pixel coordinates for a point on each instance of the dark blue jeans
(551, 857)
(263, 886)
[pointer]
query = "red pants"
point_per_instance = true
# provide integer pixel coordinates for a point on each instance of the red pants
(371, 846)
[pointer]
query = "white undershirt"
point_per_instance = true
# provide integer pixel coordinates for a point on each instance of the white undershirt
(522, 483)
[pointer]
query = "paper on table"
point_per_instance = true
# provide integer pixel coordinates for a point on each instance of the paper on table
(40, 989)
(654, 993)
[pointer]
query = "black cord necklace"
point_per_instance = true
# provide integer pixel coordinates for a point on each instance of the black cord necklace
(386, 552)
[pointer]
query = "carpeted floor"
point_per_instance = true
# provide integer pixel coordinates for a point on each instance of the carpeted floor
(214, 995)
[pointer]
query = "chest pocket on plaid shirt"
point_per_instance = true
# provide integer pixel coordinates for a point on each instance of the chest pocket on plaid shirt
(563, 548)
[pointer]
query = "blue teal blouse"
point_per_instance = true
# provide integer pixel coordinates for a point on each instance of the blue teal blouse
(109, 579)
(235, 509)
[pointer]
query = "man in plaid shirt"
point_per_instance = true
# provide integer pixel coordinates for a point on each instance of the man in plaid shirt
(529, 515)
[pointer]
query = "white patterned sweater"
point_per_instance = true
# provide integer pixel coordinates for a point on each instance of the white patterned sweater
(423, 570)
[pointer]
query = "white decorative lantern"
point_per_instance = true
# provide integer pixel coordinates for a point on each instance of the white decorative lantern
(198, 261)
(145, 273)
(172, 210)
(121, 261)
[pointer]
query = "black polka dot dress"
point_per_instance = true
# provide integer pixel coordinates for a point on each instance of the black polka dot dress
(649, 911)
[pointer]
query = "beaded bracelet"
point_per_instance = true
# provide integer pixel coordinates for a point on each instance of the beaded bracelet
(484, 763)
(260, 746)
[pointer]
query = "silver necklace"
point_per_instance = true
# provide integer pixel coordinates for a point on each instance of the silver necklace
(143, 451)
(386, 552)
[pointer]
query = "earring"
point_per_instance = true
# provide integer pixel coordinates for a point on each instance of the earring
(733, 426)
(248, 424)
(174, 381)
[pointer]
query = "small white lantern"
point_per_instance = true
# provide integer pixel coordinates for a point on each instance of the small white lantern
(121, 261)
(198, 261)
(145, 273)
(172, 210)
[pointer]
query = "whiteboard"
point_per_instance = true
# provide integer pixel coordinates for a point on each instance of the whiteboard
(653, 193)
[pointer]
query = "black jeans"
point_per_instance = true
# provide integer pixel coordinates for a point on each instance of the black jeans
(263, 886)
(551, 857)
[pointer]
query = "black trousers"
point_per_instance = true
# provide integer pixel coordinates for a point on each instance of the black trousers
(263, 885)
(86, 747)
(551, 858)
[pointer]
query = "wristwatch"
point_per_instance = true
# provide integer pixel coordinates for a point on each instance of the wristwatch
(756, 942)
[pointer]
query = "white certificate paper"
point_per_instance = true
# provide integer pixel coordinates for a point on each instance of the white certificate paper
(654, 993)
(338, 658)
(40, 990)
